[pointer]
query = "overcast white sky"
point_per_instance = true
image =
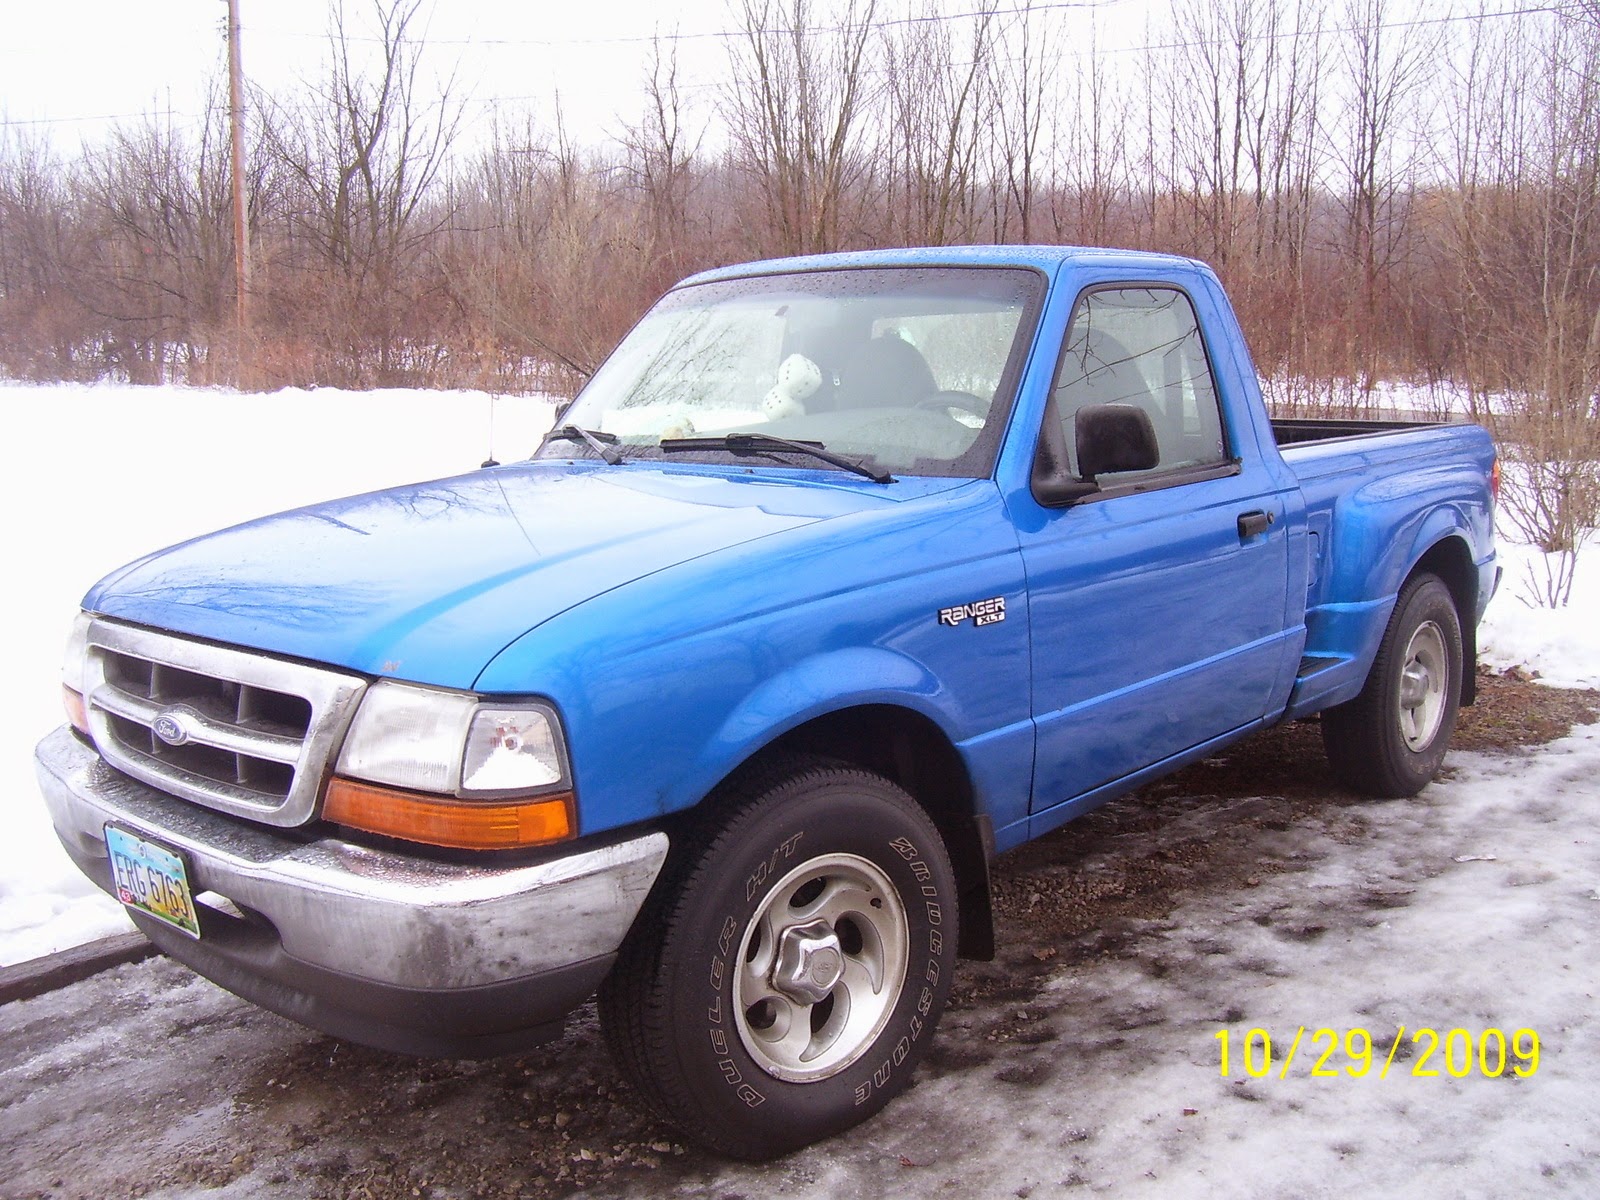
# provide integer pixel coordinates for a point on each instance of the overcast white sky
(68, 68)
(68, 64)
(73, 59)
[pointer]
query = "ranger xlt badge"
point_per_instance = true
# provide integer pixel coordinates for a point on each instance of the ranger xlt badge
(980, 612)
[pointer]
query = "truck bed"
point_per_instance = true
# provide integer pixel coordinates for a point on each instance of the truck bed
(1294, 431)
(1359, 479)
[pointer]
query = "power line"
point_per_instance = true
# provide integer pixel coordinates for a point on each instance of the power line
(1319, 31)
(725, 34)
(929, 18)
(4, 121)
(1283, 35)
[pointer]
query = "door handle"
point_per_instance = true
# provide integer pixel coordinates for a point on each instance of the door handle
(1252, 523)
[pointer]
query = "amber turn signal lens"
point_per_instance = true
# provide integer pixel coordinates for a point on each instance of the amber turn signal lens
(77, 713)
(460, 824)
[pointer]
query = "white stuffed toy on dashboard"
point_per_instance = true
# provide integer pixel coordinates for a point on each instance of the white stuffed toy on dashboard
(798, 379)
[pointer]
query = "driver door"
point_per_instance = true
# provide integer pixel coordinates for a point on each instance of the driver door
(1157, 604)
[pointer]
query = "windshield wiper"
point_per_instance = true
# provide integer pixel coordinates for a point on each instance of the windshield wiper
(765, 443)
(603, 444)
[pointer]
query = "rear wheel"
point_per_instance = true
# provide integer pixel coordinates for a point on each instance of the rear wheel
(787, 975)
(1391, 739)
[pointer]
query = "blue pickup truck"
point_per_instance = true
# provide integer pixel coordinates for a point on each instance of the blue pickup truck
(841, 576)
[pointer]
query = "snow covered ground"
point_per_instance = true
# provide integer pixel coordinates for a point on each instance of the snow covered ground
(1402, 399)
(1561, 644)
(100, 475)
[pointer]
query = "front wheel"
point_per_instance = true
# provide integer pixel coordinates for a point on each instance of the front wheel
(787, 976)
(1391, 739)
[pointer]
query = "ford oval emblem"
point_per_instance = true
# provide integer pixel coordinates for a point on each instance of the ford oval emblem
(171, 728)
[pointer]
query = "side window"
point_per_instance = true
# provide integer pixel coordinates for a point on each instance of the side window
(1141, 346)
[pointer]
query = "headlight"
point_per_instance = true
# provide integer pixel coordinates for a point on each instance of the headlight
(77, 652)
(449, 769)
(453, 743)
(72, 667)
(408, 736)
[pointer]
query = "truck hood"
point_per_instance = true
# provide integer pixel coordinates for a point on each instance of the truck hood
(429, 582)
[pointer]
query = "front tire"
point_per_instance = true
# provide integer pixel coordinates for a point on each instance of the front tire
(785, 978)
(1391, 739)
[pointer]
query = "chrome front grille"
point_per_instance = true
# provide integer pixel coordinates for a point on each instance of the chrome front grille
(229, 729)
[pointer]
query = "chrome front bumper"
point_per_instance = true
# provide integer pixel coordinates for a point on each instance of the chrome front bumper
(405, 953)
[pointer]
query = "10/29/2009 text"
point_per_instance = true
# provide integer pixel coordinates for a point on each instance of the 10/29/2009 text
(1326, 1053)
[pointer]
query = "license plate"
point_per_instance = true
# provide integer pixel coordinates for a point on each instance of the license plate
(151, 879)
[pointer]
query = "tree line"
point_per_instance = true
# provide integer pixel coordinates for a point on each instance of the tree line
(1385, 195)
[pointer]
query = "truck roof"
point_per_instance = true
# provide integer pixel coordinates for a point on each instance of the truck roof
(1043, 258)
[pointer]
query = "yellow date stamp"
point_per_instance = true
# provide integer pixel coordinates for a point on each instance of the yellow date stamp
(1424, 1053)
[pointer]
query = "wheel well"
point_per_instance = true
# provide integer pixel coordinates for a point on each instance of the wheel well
(1451, 561)
(913, 752)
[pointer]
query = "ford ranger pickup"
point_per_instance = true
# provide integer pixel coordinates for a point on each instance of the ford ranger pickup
(840, 577)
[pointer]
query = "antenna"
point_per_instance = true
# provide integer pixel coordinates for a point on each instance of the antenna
(491, 461)
(241, 233)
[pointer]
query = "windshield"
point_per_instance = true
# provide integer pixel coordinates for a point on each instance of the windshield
(907, 369)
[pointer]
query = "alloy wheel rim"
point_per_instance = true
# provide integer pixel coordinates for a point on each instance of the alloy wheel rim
(820, 968)
(1424, 679)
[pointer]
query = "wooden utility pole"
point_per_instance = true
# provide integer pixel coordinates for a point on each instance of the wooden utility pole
(241, 235)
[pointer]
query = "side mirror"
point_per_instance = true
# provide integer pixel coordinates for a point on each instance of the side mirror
(1114, 437)
(1053, 484)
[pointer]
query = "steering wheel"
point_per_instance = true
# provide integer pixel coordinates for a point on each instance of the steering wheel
(965, 401)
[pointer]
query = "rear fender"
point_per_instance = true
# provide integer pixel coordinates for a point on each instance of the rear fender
(1371, 565)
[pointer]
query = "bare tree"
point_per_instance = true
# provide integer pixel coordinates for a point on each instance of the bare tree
(1024, 73)
(1285, 140)
(550, 258)
(660, 153)
(366, 156)
(1524, 219)
(157, 212)
(1386, 63)
(42, 324)
(795, 109)
(1094, 133)
(940, 112)
(1221, 67)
